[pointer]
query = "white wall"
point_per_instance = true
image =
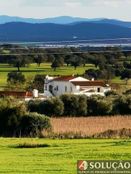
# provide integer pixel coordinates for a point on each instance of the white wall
(64, 87)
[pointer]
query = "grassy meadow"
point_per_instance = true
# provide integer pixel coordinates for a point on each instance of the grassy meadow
(60, 156)
(44, 69)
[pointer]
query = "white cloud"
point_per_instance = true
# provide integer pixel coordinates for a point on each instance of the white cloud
(40, 3)
(84, 8)
(73, 2)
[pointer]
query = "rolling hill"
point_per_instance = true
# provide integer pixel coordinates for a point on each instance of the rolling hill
(56, 20)
(18, 31)
(63, 20)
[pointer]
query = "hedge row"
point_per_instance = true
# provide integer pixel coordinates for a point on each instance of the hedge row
(72, 105)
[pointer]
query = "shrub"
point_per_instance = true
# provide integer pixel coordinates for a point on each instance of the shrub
(32, 124)
(58, 106)
(82, 105)
(16, 78)
(10, 116)
(46, 107)
(111, 93)
(71, 104)
(126, 74)
(122, 105)
(34, 106)
(99, 106)
(16, 121)
(127, 92)
(92, 73)
(38, 83)
(51, 107)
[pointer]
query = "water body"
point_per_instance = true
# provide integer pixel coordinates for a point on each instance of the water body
(120, 42)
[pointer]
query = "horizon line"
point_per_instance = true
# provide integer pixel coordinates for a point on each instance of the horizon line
(50, 17)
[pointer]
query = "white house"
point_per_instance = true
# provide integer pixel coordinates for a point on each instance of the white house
(56, 86)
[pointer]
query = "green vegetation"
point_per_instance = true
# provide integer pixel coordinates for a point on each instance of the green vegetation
(44, 156)
(73, 105)
(112, 65)
(16, 78)
(16, 121)
(44, 69)
(59, 156)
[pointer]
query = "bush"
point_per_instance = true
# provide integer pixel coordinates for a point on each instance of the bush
(16, 78)
(74, 105)
(52, 107)
(126, 74)
(92, 73)
(99, 106)
(58, 106)
(71, 104)
(34, 106)
(127, 92)
(38, 83)
(32, 124)
(111, 93)
(16, 121)
(122, 105)
(82, 106)
(10, 116)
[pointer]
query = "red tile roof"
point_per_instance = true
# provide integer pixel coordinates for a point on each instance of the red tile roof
(89, 83)
(64, 78)
(20, 94)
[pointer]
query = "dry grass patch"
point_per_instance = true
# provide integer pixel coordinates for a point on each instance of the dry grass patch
(89, 126)
(121, 133)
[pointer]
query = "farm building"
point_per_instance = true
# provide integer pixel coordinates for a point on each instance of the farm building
(24, 95)
(56, 86)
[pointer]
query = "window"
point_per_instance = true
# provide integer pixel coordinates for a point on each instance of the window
(65, 88)
(98, 89)
(51, 88)
(71, 89)
(57, 88)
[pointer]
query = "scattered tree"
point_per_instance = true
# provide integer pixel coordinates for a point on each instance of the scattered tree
(15, 78)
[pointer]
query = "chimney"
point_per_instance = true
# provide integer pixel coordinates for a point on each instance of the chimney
(35, 93)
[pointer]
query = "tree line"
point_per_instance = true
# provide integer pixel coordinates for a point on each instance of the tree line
(21, 119)
(107, 64)
(116, 63)
(72, 105)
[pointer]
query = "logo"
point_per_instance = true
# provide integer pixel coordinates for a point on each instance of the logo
(103, 167)
(82, 165)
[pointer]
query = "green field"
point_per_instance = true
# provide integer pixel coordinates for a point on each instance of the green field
(44, 69)
(61, 155)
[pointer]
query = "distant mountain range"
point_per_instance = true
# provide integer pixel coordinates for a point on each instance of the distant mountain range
(63, 20)
(63, 28)
(56, 20)
(20, 31)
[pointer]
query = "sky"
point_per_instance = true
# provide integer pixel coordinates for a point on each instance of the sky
(113, 9)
